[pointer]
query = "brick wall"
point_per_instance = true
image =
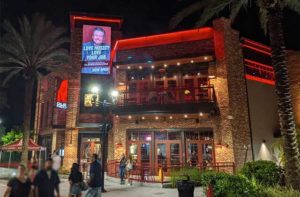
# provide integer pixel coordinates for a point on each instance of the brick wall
(294, 74)
(117, 136)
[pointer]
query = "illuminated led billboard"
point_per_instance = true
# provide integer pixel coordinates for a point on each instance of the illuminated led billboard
(96, 43)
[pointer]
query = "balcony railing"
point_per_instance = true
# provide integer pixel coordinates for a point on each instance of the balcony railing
(176, 95)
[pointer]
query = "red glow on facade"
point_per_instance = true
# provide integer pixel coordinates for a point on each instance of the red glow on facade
(261, 80)
(167, 38)
(257, 49)
(257, 44)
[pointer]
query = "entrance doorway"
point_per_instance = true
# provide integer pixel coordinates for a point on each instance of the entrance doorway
(89, 145)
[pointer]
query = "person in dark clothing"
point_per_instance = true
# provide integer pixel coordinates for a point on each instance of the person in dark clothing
(75, 179)
(19, 186)
(95, 178)
(46, 181)
(122, 168)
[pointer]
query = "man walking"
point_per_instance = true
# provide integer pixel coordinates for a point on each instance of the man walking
(95, 178)
(46, 181)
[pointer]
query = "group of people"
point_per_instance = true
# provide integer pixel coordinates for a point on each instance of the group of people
(125, 168)
(45, 182)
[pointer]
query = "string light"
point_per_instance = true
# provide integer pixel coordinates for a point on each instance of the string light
(129, 117)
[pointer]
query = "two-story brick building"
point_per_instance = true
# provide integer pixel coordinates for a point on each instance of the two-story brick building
(202, 95)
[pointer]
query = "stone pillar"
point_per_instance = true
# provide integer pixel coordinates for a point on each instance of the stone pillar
(71, 133)
(231, 93)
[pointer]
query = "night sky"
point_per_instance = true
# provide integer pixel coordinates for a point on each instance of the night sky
(141, 17)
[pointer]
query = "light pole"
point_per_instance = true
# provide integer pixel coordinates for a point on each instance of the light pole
(106, 101)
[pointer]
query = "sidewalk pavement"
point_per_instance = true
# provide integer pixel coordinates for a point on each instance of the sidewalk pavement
(114, 189)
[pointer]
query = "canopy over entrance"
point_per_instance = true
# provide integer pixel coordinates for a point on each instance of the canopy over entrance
(17, 146)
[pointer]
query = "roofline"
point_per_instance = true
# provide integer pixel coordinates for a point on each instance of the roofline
(162, 39)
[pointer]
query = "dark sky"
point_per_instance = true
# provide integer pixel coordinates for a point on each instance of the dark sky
(141, 17)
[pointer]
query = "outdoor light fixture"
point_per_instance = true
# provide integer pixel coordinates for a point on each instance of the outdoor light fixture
(192, 61)
(140, 67)
(212, 77)
(128, 67)
(200, 114)
(198, 74)
(165, 65)
(129, 117)
(118, 67)
(185, 115)
(114, 93)
(205, 58)
(143, 118)
(117, 116)
(152, 66)
(171, 117)
(95, 89)
(178, 63)
(156, 117)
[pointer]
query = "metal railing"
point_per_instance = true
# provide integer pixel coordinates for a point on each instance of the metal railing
(161, 174)
(176, 95)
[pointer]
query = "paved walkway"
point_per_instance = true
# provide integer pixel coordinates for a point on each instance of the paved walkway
(116, 190)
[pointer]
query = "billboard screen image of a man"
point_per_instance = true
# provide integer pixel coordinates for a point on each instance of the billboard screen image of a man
(96, 43)
(96, 49)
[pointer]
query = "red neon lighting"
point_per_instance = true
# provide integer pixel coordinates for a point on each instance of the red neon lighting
(268, 67)
(62, 92)
(257, 44)
(88, 18)
(167, 38)
(256, 49)
(261, 80)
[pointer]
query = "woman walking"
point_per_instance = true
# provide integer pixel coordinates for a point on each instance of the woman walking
(75, 179)
(122, 168)
(129, 167)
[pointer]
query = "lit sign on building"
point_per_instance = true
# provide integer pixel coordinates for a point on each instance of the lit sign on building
(62, 95)
(96, 49)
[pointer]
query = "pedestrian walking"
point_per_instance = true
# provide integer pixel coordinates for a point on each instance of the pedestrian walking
(19, 186)
(129, 168)
(56, 160)
(122, 168)
(95, 178)
(46, 181)
(76, 181)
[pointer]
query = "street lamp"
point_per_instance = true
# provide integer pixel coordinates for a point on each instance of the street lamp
(106, 101)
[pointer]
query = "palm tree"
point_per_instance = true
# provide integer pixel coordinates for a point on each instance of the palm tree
(271, 15)
(31, 51)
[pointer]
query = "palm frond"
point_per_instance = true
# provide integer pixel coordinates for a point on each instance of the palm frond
(11, 74)
(293, 5)
(211, 10)
(34, 47)
(236, 7)
(177, 19)
(263, 16)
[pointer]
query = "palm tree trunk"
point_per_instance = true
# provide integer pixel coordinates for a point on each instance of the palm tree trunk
(27, 119)
(285, 109)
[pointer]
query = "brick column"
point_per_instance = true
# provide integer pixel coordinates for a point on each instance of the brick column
(231, 93)
(71, 133)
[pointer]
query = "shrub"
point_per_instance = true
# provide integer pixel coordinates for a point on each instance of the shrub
(227, 185)
(182, 174)
(278, 191)
(266, 173)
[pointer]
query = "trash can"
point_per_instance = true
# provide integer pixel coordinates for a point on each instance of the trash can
(185, 188)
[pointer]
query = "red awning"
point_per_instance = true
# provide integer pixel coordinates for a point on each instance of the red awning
(17, 146)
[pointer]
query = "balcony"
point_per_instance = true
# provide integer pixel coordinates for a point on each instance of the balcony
(161, 100)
